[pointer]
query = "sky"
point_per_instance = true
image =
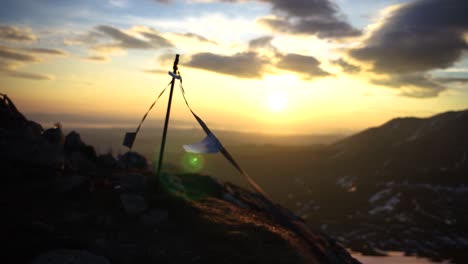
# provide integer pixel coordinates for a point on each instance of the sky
(273, 66)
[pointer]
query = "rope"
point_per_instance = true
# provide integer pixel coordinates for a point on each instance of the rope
(146, 114)
(223, 150)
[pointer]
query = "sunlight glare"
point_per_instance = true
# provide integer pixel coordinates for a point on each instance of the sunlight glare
(277, 101)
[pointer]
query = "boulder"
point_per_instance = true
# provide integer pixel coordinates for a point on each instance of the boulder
(154, 217)
(69, 256)
(133, 160)
(133, 204)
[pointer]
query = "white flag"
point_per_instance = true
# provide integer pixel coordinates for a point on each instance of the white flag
(210, 144)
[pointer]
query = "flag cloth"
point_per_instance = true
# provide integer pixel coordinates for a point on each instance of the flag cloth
(129, 139)
(210, 144)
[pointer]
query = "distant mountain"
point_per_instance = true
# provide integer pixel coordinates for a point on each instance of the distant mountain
(433, 149)
(399, 186)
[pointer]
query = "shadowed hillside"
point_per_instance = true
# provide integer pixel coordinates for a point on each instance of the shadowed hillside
(64, 203)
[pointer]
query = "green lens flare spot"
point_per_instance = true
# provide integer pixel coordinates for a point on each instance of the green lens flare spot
(192, 162)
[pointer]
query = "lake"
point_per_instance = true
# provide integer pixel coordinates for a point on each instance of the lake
(394, 257)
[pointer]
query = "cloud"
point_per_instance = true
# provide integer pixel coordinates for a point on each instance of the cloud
(118, 3)
(122, 40)
(156, 71)
(322, 28)
(307, 66)
(419, 36)
(415, 85)
(10, 33)
(10, 54)
(319, 17)
(29, 75)
(346, 66)
(9, 68)
(462, 80)
(261, 42)
(88, 38)
(416, 38)
(46, 51)
(97, 58)
(242, 65)
(197, 37)
(12, 59)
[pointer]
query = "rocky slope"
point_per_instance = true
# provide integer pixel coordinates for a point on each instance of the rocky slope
(63, 203)
(401, 186)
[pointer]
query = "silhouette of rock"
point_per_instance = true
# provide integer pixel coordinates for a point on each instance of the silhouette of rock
(70, 257)
(132, 160)
(106, 161)
(133, 203)
(78, 216)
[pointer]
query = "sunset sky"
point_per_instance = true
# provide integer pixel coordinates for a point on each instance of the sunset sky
(291, 66)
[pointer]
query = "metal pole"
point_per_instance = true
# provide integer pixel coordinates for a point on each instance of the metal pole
(168, 113)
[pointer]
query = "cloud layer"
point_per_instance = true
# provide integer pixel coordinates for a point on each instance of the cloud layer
(307, 66)
(243, 65)
(15, 34)
(416, 38)
(318, 17)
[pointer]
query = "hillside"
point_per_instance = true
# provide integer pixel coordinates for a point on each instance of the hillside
(400, 186)
(63, 203)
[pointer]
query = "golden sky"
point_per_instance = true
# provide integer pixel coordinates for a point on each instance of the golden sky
(266, 65)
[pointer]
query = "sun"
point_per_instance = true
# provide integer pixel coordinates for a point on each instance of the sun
(277, 101)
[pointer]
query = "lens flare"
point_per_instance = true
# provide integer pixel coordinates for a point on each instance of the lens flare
(192, 162)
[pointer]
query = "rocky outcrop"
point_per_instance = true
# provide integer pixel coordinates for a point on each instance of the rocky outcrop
(88, 209)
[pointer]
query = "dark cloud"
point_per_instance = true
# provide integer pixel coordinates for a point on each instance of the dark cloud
(462, 80)
(10, 54)
(123, 40)
(317, 17)
(261, 42)
(156, 40)
(197, 37)
(307, 66)
(418, 85)
(264, 43)
(419, 36)
(11, 33)
(242, 65)
(46, 51)
(321, 28)
(301, 8)
(346, 66)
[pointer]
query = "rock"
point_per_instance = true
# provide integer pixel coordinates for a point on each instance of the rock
(10, 117)
(134, 183)
(69, 256)
(78, 162)
(133, 203)
(154, 217)
(68, 183)
(54, 135)
(106, 161)
(80, 157)
(133, 160)
(233, 200)
(73, 142)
